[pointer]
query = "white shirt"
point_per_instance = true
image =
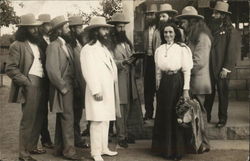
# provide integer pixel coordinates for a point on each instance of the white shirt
(36, 67)
(173, 57)
(46, 38)
(150, 40)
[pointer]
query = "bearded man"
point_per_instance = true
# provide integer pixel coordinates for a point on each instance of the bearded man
(149, 64)
(25, 68)
(61, 72)
(101, 95)
(129, 99)
(225, 48)
(75, 26)
(44, 41)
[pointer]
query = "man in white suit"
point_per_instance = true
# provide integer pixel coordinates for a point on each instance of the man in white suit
(101, 94)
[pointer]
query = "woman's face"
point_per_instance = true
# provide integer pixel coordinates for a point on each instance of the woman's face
(169, 34)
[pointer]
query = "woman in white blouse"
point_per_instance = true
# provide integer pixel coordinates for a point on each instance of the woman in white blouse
(173, 62)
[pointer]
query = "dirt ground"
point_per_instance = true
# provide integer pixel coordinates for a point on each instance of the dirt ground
(9, 125)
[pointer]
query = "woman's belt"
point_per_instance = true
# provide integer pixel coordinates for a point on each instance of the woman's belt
(170, 72)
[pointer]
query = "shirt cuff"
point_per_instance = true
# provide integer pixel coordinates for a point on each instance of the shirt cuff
(225, 69)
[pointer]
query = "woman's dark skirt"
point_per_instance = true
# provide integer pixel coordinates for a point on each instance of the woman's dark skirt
(168, 137)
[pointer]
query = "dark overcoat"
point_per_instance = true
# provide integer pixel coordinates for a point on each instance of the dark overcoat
(225, 48)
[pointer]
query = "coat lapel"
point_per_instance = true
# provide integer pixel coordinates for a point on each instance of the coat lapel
(27, 46)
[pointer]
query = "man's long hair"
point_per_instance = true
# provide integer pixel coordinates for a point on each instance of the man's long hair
(74, 37)
(221, 23)
(120, 37)
(93, 36)
(54, 34)
(22, 34)
(195, 28)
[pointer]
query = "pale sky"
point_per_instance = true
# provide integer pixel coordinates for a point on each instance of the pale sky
(52, 7)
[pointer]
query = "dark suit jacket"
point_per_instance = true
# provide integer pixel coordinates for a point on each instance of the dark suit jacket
(58, 64)
(225, 48)
(17, 68)
(79, 84)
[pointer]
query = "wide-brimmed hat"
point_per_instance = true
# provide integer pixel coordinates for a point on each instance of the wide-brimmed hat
(75, 20)
(167, 8)
(58, 21)
(118, 18)
(222, 7)
(97, 21)
(189, 12)
(28, 20)
(44, 18)
(151, 8)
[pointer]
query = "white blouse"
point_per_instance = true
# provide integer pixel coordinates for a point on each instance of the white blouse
(172, 57)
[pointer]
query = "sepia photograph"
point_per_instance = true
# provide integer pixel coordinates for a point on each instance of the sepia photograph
(124, 80)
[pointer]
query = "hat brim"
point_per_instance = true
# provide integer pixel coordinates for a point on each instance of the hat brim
(150, 12)
(76, 24)
(115, 22)
(221, 11)
(189, 16)
(97, 25)
(168, 11)
(37, 23)
(60, 24)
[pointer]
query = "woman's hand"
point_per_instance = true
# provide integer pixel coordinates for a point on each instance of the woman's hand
(186, 94)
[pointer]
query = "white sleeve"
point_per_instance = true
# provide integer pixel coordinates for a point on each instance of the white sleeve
(187, 65)
(157, 69)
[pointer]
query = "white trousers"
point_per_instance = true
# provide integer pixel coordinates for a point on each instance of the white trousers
(99, 137)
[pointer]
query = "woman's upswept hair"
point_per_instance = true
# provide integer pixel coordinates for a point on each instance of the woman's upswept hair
(21, 34)
(195, 28)
(177, 38)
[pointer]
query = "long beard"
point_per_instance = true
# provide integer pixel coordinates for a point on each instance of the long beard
(215, 24)
(161, 24)
(121, 37)
(150, 22)
(35, 39)
(67, 38)
(106, 41)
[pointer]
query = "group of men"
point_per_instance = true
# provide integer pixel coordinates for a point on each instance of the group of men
(49, 67)
(218, 62)
(52, 63)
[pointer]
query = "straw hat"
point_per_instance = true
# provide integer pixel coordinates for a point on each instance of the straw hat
(75, 20)
(58, 21)
(222, 7)
(151, 9)
(189, 12)
(118, 18)
(28, 20)
(167, 8)
(97, 21)
(44, 18)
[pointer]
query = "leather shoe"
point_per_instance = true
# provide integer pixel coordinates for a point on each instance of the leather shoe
(28, 158)
(82, 144)
(74, 157)
(109, 153)
(48, 145)
(123, 143)
(98, 158)
(220, 124)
